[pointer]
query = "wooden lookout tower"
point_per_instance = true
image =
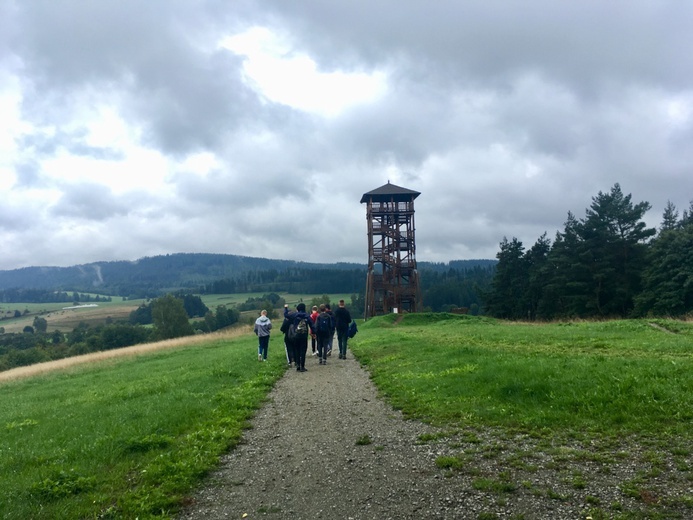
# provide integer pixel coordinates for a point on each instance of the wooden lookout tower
(392, 284)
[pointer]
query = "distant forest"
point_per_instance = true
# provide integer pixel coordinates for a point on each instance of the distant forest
(608, 264)
(444, 286)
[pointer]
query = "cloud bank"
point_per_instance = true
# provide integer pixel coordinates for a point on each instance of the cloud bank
(134, 129)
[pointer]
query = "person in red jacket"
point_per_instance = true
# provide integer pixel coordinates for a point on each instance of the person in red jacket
(313, 340)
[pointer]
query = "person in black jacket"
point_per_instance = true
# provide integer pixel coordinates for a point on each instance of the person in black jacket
(298, 341)
(342, 319)
(324, 328)
(288, 346)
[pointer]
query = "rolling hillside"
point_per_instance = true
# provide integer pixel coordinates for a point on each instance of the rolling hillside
(169, 271)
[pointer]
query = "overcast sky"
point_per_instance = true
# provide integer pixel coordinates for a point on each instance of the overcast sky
(131, 128)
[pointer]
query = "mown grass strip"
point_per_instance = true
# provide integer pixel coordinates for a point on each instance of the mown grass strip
(127, 438)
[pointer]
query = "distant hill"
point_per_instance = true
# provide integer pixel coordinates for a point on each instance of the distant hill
(177, 271)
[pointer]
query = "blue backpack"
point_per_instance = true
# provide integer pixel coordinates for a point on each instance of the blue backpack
(353, 329)
(324, 324)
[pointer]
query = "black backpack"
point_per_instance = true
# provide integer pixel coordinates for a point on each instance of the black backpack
(299, 331)
(324, 324)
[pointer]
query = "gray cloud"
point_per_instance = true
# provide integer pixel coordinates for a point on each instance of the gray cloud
(43, 143)
(505, 116)
(159, 60)
(583, 44)
(91, 202)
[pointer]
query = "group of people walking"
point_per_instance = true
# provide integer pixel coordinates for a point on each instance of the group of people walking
(320, 326)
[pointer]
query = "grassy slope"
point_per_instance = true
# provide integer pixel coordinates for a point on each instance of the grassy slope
(131, 437)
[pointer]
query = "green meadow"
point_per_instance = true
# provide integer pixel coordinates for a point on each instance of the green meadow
(131, 437)
(127, 438)
(606, 378)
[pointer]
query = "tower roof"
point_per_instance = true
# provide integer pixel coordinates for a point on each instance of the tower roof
(388, 192)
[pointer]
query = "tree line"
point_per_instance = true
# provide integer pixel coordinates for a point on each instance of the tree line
(451, 288)
(606, 264)
(296, 280)
(154, 276)
(25, 295)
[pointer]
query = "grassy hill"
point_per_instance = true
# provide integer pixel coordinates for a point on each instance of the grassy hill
(130, 437)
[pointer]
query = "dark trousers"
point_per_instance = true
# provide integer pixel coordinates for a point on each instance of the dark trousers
(342, 337)
(300, 348)
(263, 344)
(323, 344)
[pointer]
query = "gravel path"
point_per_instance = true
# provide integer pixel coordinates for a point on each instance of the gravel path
(326, 446)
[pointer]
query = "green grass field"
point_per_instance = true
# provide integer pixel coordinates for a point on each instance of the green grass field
(59, 318)
(130, 438)
(607, 378)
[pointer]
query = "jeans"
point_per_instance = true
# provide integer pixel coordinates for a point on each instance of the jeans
(262, 348)
(323, 346)
(342, 337)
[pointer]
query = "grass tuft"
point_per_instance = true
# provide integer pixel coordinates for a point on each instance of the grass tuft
(364, 440)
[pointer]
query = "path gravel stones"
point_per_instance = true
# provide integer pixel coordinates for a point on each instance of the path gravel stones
(326, 446)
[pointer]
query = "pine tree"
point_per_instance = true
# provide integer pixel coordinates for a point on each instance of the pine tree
(670, 219)
(537, 264)
(507, 297)
(668, 277)
(566, 276)
(614, 235)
